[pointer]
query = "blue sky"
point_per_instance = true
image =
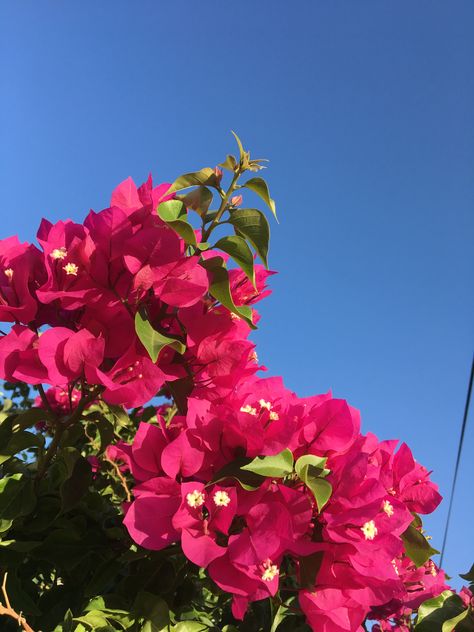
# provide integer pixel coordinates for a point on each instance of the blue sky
(365, 110)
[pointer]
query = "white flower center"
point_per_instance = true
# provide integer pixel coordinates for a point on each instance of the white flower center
(270, 571)
(59, 253)
(388, 508)
(369, 530)
(71, 268)
(248, 409)
(8, 273)
(221, 498)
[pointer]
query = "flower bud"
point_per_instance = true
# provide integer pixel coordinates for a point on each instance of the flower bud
(236, 200)
(218, 171)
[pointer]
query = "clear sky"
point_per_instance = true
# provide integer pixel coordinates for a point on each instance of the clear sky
(366, 112)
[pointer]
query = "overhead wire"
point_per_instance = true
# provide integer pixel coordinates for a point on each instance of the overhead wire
(458, 460)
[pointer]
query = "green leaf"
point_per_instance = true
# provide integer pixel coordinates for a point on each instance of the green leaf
(450, 624)
(151, 339)
(17, 497)
(442, 614)
(21, 546)
(78, 480)
(106, 433)
(18, 442)
(430, 605)
(152, 608)
(173, 212)
(278, 465)
(417, 546)
(242, 153)
(205, 177)
(198, 200)
(469, 576)
(230, 163)
(311, 470)
(190, 626)
(280, 615)
(253, 225)
(31, 417)
(68, 623)
(248, 480)
(220, 288)
(316, 465)
(260, 187)
(93, 619)
(238, 249)
(321, 490)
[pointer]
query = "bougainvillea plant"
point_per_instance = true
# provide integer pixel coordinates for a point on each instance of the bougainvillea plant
(152, 477)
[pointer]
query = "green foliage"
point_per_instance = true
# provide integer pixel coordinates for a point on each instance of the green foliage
(238, 249)
(205, 177)
(260, 187)
(153, 340)
(253, 225)
(311, 470)
(220, 289)
(444, 613)
(277, 466)
(173, 212)
(417, 546)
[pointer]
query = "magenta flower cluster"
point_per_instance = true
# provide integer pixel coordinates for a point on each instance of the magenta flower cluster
(72, 303)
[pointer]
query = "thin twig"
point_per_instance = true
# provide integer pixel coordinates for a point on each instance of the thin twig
(8, 610)
(121, 477)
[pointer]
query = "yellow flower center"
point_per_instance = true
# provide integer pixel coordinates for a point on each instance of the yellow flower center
(9, 273)
(388, 508)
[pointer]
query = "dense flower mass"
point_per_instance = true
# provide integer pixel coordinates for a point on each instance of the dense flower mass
(266, 491)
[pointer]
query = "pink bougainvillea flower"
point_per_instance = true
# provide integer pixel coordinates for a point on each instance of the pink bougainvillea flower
(21, 273)
(331, 610)
(243, 292)
(67, 253)
(139, 203)
(149, 517)
(69, 355)
(59, 400)
(132, 381)
(19, 358)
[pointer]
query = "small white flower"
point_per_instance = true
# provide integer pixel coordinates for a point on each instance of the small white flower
(369, 530)
(195, 498)
(71, 268)
(249, 410)
(221, 498)
(59, 253)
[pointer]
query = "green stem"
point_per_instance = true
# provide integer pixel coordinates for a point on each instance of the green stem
(60, 427)
(222, 207)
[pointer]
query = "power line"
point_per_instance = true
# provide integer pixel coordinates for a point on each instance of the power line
(458, 459)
